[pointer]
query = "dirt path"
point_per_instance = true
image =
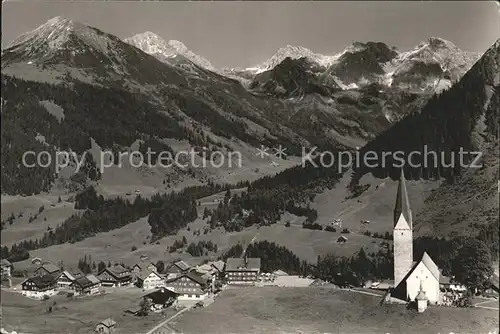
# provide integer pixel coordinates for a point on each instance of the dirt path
(165, 322)
(364, 292)
(479, 305)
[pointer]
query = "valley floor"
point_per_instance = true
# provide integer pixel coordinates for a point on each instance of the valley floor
(247, 310)
(75, 316)
(325, 310)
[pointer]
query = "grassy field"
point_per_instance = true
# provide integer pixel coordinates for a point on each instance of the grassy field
(375, 204)
(75, 316)
(53, 214)
(325, 310)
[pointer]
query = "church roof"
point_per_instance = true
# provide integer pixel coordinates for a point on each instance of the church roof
(402, 203)
(433, 268)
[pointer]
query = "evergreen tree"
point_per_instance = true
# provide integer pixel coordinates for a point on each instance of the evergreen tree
(472, 265)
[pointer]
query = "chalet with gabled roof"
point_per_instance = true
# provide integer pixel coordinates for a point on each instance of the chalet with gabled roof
(177, 268)
(161, 299)
(106, 326)
(115, 276)
(149, 279)
(138, 267)
(189, 286)
(66, 278)
(86, 285)
(48, 269)
(39, 286)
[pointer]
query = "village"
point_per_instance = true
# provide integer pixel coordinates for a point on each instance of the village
(178, 287)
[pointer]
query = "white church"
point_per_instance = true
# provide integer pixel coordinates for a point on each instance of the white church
(412, 280)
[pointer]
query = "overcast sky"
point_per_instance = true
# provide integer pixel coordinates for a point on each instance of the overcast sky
(231, 34)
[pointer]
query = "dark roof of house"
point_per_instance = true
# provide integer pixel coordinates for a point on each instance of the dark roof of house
(118, 269)
(402, 206)
(42, 281)
(181, 265)
(50, 268)
(241, 264)
(115, 271)
(192, 275)
(93, 279)
(83, 282)
(161, 296)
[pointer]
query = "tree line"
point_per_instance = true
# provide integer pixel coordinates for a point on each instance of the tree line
(468, 260)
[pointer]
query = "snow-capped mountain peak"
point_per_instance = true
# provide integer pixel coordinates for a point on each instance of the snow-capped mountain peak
(293, 52)
(58, 35)
(439, 50)
(154, 45)
(438, 62)
(55, 31)
(178, 45)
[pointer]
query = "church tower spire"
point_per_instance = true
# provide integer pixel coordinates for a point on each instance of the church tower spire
(402, 207)
(402, 234)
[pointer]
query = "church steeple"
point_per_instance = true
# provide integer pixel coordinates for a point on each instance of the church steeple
(402, 234)
(402, 207)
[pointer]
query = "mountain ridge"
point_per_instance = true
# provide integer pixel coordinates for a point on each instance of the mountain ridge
(180, 101)
(155, 45)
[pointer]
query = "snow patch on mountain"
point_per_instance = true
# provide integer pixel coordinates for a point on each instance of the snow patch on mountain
(55, 35)
(293, 52)
(450, 58)
(154, 45)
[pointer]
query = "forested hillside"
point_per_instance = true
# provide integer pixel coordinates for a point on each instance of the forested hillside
(463, 117)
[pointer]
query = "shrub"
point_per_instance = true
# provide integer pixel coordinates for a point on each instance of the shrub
(330, 229)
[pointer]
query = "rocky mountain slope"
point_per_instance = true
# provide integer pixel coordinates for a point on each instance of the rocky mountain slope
(431, 66)
(75, 87)
(293, 78)
(435, 63)
(171, 51)
(466, 117)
